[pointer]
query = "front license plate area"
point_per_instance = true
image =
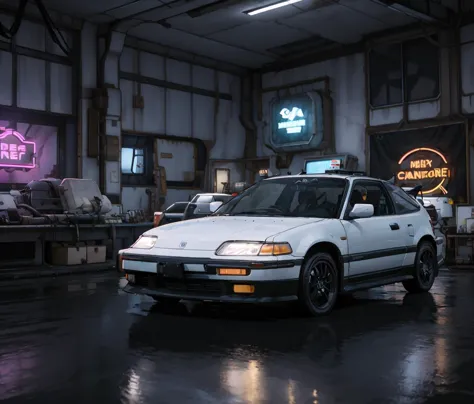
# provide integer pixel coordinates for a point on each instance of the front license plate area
(171, 271)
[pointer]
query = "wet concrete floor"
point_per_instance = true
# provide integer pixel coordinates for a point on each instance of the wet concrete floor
(79, 340)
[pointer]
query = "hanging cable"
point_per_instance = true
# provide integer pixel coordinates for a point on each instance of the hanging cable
(54, 32)
(9, 33)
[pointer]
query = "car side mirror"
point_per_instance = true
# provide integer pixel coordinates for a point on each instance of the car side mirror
(361, 210)
(213, 206)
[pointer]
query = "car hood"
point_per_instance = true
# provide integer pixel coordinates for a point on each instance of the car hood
(207, 234)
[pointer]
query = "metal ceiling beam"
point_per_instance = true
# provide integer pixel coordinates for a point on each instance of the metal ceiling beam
(315, 57)
(181, 7)
(183, 56)
(437, 13)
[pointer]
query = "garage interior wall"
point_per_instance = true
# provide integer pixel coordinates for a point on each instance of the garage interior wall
(191, 106)
(38, 98)
(427, 93)
(467, 89)
(347, 86)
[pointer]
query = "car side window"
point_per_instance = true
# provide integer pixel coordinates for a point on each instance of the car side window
(403, 202)
(373, 193)
(177, 208)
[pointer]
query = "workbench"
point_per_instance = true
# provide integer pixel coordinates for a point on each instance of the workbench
(32, 239)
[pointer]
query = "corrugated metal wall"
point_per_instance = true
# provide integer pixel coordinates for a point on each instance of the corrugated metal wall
(34, 73)
(467, 84)
(180, 99)
(347, 85)
(38, 98)
(467, 68)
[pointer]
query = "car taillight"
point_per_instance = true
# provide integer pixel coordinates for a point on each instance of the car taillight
(156, 218)
(119, 263)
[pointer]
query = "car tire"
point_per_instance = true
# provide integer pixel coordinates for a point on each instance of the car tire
(318, 284)
(424, 275)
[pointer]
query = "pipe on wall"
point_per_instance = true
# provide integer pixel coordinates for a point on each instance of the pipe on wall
(212, 143)
(246, 117)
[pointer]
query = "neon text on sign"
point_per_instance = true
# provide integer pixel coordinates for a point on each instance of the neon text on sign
(290, 124)
(15, 151)
(426, 169)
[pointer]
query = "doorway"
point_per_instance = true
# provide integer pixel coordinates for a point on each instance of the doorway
(222, 180)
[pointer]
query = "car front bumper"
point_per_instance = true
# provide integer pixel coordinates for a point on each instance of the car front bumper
(274, 281)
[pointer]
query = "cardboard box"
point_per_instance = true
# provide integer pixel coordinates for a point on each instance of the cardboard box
(96, 254)
(68, 255)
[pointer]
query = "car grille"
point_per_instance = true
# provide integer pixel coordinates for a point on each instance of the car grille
(186, 286)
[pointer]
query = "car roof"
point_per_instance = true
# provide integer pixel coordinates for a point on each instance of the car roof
(341, 176)
(212, 194)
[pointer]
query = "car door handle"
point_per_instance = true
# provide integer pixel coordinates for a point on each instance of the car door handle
(394, 226)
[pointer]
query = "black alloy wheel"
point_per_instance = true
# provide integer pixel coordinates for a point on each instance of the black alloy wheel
(426, 266)
(318, 287)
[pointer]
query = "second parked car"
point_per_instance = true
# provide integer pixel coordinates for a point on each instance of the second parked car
(200, 205)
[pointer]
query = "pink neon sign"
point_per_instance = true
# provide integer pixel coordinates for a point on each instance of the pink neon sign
(15, 151)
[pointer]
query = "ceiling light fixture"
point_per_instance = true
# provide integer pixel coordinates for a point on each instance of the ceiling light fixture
(271, 7)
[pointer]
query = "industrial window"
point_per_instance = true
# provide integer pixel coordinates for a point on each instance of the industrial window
(385, 67)
(421, 70)
(137, 160)
(133, 161)
(406, 72)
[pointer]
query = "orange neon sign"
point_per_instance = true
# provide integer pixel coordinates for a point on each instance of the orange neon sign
(425, 164)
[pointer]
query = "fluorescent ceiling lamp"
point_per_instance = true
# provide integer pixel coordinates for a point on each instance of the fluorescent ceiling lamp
(271, 7)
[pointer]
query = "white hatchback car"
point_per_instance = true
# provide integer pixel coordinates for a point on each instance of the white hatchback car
(301, 237)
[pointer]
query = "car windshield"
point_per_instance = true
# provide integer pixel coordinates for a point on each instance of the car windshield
(178, 207)
(290, 197)
(222, 198)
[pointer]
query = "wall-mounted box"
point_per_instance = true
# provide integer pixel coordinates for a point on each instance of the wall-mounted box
(68, 255)
(96, 254)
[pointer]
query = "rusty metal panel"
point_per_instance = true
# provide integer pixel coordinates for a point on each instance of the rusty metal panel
(127, 108)
(230, 139)
(384, 116)
(178, 113)
(203, 117)
(151, 118)
(423, 110)
(182, 165)
(134, 198)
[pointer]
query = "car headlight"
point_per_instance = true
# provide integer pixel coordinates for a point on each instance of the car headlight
(249, 248)
(145, 242)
